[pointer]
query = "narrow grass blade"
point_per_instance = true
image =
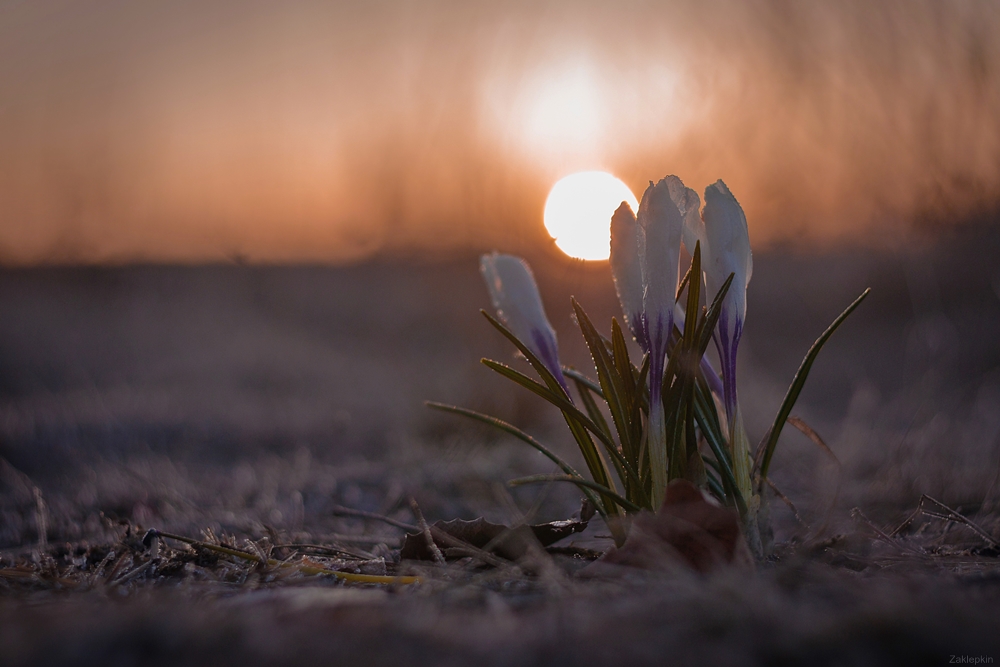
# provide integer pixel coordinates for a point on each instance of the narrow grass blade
(633, 420)
(712, 316)
(574, 374)
(595, 414)
(570, 410)
(799, 381)
(705, 393)
(811, 433)
(520, 435)
(687, 443)
(543, 371)
(681, 371)
(788, 501)
(507, 428)
(687, 276)
(579, 424)
(677, 444)
(623, 364)
(620, 356)
(695, 465)
(642, 387)
(596, 464)
(539, 479)
(693, 299)
(607, 373)
(717, 444)
(715, 486)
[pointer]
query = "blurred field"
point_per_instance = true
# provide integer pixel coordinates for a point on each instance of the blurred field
(252, 399)
(222, 364)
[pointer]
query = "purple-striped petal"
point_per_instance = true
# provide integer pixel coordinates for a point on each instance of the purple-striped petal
(518, 304)
(727, 251)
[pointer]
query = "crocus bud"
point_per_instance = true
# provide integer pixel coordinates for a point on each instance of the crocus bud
(726, 251)
(519, 306)
(661, 225)
(626, 267)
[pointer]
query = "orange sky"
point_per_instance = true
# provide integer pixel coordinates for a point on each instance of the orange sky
(304, 131)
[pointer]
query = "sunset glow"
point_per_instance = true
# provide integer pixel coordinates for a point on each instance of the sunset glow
(338, 132)
(578, 213)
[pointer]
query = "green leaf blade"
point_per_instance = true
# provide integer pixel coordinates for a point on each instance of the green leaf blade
(799, 381)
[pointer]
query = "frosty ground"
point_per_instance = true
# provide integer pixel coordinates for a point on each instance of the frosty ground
(257, 402)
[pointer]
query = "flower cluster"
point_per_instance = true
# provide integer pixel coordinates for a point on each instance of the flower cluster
(672, 416)
(645, 257)
(644, 260)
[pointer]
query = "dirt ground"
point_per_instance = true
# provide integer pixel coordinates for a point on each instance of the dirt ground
(248, 406)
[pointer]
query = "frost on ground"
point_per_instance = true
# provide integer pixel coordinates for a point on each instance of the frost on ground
(250, 406)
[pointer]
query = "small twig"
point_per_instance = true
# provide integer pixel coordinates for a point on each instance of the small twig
(811, 433)
(328, 550)
(305, 569)
(949, 514)
(339, 510)
(117, 567)
(453, 542)
(785, 499)
(426, 530)
(100, 567)
(907, 521)
(133, 573)
(256, 549)
(858, 515)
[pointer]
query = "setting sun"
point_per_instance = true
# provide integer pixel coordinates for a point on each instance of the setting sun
(578, 213)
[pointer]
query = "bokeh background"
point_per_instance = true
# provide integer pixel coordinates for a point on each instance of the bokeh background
(239, 243)
(340, 131)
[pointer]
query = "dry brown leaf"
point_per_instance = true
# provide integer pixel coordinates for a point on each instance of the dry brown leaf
(689, 530)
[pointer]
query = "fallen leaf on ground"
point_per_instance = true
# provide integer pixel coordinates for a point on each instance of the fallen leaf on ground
(689, 530)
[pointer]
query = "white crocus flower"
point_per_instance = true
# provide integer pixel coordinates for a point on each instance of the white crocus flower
(519, 306)
(626, 267)
(726, 250)
(660, 225)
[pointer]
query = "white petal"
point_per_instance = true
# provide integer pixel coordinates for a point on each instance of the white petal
(727, 246)
(519, 305)
(689, 205)
(662, 225)
(626, 266)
